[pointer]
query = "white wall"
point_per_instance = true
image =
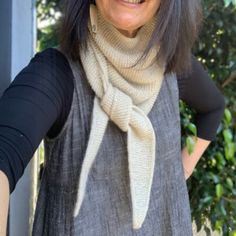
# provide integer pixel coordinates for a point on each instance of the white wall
(23, 46)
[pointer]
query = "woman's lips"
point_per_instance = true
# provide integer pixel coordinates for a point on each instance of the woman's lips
(131, 3)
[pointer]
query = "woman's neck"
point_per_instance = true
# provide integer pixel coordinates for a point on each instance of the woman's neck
(128, 33)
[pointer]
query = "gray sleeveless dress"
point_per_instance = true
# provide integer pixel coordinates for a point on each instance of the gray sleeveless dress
(106, 208)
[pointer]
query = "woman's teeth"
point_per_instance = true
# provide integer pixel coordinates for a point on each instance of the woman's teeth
(133, 1)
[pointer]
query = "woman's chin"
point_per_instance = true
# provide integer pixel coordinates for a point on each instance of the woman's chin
(128, 14)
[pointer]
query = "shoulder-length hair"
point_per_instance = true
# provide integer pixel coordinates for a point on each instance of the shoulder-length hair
(177, 29)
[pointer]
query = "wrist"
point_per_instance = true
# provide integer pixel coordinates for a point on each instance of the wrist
(187, 173)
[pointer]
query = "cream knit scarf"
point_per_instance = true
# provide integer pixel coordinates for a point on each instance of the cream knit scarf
(125, 95)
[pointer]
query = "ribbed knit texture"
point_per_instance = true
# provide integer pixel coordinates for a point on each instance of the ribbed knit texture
(125, 93)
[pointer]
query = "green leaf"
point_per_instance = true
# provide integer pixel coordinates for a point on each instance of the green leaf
(222, 209)
(233, 233)
(228, 115)
(219, 190)
(207, 199)
(220, 159)
(218, 225)
(190, 144)
(192, 128)
(229, 151)
(229, 183)
(227, 135)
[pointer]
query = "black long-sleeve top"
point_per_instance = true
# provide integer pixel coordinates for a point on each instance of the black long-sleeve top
(38, 101)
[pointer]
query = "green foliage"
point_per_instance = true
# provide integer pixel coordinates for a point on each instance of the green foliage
(212, 187)
(48, 12)
(48, 38)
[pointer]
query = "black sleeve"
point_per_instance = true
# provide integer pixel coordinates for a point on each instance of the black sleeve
(34, 105)
(199, 92)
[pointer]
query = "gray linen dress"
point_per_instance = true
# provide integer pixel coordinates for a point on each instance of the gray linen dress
(106, 208)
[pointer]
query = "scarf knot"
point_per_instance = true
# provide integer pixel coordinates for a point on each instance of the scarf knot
(118, 107)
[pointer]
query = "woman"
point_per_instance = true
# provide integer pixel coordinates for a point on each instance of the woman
(106, 104)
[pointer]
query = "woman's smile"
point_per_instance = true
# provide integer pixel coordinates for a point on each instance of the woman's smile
(131, 3)
(128, 15)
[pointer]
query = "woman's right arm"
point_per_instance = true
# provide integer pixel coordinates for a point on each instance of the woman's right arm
(36, 104)
(4, 203)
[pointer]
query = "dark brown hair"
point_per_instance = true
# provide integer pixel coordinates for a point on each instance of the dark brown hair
(177, 29)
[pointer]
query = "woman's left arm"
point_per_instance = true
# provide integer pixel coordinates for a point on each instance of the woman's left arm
(199, 92)
(191, 160)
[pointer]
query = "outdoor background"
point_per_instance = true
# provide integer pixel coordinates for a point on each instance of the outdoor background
(212, 187)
